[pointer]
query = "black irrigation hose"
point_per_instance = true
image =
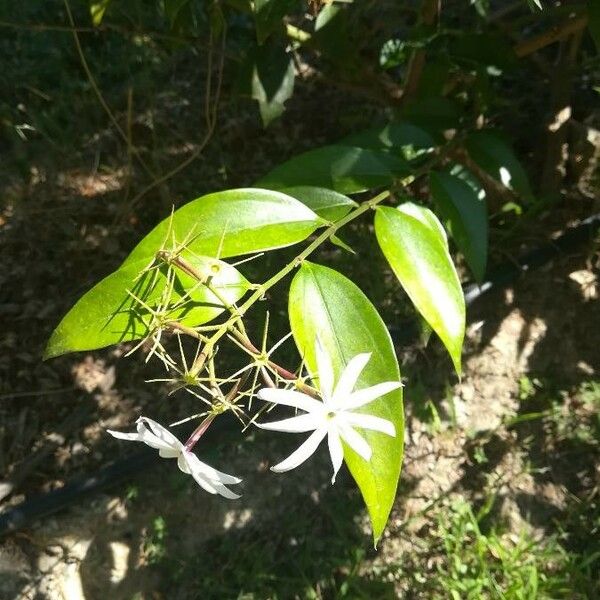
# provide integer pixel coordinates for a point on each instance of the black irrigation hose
(45, 504)
(508, 272)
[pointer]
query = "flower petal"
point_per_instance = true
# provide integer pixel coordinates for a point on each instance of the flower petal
(205, 483)
(169, 453)
(161, 432)
(348, 379)
(195, 464)
(325, 373)
(302, 453)
(132, 437)
(362, 397)
(336, 451)
(354, 440)
(182, 463)
(290, 398)
(146, 436)
(225, 491)
(370, 422)
(301, 424)
(202, 474)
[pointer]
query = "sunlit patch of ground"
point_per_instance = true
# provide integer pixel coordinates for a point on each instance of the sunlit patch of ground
(463, 444)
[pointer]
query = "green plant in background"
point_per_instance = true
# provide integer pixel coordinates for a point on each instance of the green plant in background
(492, 564)
(154, 546)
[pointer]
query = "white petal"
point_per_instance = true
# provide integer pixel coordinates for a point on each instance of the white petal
(336, 451)
(362, 397)
(325, 371)
(290, 398)
(301, 424)
(355, 440)
(204, 483)
(202, 474)
(146, 436)
(348, 379)
(161, 432)
(225, 491)
(182, 463)
(370, 422)
(196, 465)
(302, 453)
(132, 437)
(169, 453)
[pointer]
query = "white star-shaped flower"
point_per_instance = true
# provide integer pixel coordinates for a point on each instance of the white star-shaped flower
(334, 416)
(156, 436)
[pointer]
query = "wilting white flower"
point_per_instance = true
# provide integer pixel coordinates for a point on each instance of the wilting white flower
(333, 417)
(156, 436)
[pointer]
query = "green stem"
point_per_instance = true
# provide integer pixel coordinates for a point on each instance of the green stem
(262, 289)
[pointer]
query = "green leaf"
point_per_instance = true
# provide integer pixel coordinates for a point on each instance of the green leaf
(340, 243)
(494, 155)
(435, 114)
(325, 303)
(272, 80)
(427, 218)
(97, 10)
(333, 38)
(231, 223)
(345, 169)
(108, 314)
(268, 16)
(418, 253)
(402, 138)
(328, 204)
(466, 218)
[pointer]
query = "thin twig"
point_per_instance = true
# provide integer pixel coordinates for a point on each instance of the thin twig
(430, 11)
(211, 119)
(98, 93)
(103, 29)
(554, 34)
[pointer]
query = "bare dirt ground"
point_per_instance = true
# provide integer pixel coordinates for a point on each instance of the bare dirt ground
(540, 328)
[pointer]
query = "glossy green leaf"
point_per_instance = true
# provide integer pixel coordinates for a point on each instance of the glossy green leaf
(328, 204)
(272, 80)
(465, 215)
(400, 138)
(340, 243)
(333, 38)
(345, 169)
(268, 16)
(494, 155)
(231, 223)
(326, 304)
(122, 306)
(418, 254)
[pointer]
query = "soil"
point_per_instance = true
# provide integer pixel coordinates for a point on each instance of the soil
(102, 543)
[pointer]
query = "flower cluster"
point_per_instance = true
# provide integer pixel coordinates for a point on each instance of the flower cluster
(332, 417)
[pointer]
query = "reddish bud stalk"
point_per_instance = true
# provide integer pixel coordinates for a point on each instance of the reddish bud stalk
(199, 432)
